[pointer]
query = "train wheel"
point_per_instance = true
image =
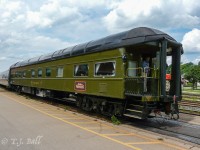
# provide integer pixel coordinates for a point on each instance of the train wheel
(79, 101)
(175, 116)
(174, 111)
(87, 103)
(18, 89)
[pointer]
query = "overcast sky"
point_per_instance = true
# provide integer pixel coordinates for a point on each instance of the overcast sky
(30, 28)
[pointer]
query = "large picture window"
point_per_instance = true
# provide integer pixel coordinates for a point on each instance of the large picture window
(81, 70)
(105, 69)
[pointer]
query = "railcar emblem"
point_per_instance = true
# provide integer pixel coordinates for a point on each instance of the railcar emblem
(80, 86)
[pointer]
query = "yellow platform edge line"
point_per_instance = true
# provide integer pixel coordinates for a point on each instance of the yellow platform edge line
(101, 135)
(117, 141)
(119, 134)
(143, 143)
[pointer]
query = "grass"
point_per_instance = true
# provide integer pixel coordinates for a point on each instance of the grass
(191, 99)
(190, 90)
(115, 120)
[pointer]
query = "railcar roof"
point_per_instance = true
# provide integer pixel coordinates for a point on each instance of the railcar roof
(123, 39)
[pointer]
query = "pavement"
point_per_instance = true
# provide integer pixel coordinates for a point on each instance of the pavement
(192, 119)
(29, 124)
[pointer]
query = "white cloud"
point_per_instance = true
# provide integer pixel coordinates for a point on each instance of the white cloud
(191, 42)
(196, 61)
(185, 59)
(29, 28)
(153, 13)
(128, 11)
(51, 12)
(2, 58)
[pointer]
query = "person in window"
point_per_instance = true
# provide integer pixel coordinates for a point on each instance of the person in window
(145, 66)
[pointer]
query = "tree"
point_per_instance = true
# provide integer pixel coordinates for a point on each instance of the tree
(169, 68)
(193, 74)
(186, 68)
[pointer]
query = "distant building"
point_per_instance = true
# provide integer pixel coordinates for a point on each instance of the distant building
(184, 81)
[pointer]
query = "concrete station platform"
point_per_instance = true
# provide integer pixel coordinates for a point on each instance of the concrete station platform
(33, 125)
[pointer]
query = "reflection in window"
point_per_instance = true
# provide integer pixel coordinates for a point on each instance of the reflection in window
(81, 70)
(59, 72)
(39, 72)
(48, 72)
(106, 68)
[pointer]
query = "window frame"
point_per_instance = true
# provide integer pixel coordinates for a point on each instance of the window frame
(49, 73)
(95, 75)
(38, 72)
(19, 74)
(74, 74)
(16, 74)
(33, 70)
(57, 75)
(24, 74)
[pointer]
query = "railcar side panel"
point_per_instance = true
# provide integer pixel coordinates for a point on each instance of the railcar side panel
(101, 85)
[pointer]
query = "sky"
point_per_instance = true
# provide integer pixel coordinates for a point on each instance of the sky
(30, 28)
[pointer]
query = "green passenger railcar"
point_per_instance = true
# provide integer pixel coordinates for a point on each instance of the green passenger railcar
(110, 84)
(107, 75)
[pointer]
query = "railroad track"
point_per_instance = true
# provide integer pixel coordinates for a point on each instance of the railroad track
(190, 104)
(178, 129)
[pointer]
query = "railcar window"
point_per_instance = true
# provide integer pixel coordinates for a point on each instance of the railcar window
(16, 74)
(59, 72)
(32, 73)
(39, 72)
(105, 68)
(24, 74)
(13, 75)
(48, 72)
(19, 74)
(81, 70)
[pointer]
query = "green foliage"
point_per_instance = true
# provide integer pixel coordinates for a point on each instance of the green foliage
(191, 72)
(115, 120)
(185, 68)
(188, 85)
(168, 71)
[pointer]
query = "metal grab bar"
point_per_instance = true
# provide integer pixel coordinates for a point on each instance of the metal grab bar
(142, 72)
(136, 72)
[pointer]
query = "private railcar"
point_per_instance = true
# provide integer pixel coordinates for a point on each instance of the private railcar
(106, 75)
(4, 78)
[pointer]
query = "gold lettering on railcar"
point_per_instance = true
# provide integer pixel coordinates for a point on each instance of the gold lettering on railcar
(35, 83)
